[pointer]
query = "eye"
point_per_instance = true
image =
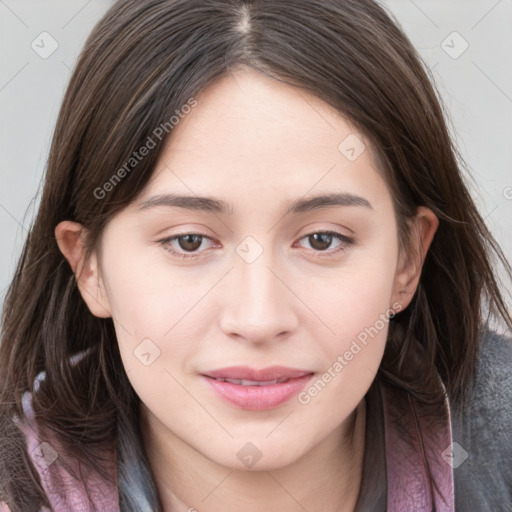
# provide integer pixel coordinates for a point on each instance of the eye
(189, 245)
(322, 241)
(180, 245)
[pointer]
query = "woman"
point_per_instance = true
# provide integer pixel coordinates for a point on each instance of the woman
(256, 279)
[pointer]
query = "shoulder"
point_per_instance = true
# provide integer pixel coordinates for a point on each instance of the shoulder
(495, 353)
(490, 407)
(493, 384)
(483, 429)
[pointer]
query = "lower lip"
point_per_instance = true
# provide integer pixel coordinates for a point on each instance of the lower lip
(258, 398)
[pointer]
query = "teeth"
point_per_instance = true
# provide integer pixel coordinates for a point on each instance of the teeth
(244, 382)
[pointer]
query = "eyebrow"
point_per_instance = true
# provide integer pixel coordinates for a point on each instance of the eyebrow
(210, 204)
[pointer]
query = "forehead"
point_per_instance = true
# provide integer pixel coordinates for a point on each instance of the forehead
(251, 136)
(247, 113)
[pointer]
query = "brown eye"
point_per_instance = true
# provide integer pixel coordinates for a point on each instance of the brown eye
(320, 241)
(190, 242)
(329, 242)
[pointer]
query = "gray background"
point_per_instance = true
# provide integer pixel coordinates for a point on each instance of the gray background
(476, 86)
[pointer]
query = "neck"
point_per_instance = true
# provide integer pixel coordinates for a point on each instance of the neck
(326, 479)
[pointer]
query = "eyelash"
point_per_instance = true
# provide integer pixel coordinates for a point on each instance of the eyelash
(345, 242)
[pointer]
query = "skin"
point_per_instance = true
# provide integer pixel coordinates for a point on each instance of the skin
(257, 144)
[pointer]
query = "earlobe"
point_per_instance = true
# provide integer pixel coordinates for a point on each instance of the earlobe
(422, 230)
(70, 238)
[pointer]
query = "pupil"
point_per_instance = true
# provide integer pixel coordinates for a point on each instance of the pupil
(321, 241)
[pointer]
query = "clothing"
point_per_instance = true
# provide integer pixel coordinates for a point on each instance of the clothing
(483, 482)
(476, 477)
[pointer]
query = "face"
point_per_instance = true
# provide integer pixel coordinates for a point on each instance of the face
(263, 276)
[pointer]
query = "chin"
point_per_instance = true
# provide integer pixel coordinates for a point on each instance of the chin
(249, 457)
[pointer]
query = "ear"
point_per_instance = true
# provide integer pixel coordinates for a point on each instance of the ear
(71, 241)
(411, 258)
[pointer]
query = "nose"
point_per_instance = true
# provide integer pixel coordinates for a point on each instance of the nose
(257, 304)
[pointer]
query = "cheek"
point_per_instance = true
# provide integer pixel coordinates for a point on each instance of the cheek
(148, 295)
(156, 313)
(359, 321)
(356, 295)
(354, 307)
(158, 336)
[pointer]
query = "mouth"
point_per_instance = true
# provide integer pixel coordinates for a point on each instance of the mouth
(256, 390)
(263, 375)
(243, 382)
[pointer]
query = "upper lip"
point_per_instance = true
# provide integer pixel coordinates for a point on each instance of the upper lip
(264, 374)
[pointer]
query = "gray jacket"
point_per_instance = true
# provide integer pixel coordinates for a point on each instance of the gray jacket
(483, 481)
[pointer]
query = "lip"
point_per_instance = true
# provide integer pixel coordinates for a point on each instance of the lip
(265, 374)
(257, 397)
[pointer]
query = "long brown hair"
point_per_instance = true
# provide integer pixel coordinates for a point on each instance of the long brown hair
(145, 60)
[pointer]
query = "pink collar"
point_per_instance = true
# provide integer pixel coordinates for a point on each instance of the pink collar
(414, 438)
(66, 493)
